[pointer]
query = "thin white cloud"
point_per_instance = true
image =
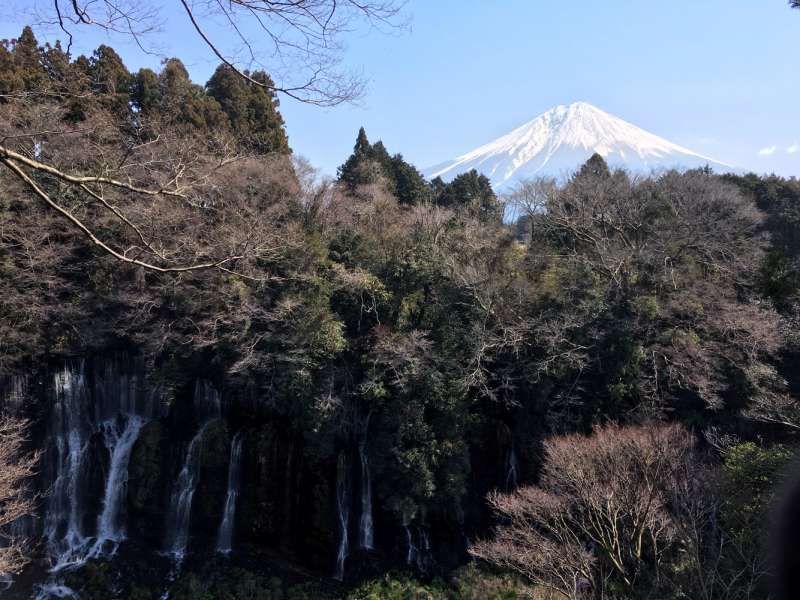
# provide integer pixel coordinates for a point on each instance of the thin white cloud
(768, 151)
(793, 149)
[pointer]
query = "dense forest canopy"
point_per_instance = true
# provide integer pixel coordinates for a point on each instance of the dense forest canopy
(635, 337)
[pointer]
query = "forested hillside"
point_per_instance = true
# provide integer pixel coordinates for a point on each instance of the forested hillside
(247, 381)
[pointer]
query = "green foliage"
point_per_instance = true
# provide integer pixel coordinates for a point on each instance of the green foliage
(645, 307)
(470, 191)
(371, 163)
(751, 476)
(95, 580)
(246, 109)
(390, 588)
(353, 172)
(239, 584)
(251, 108)
(467, 583)
(595, 167)
(144, 473)
(780, 199)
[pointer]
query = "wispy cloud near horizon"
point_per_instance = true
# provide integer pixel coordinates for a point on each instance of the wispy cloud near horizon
(768, 151)
(793, 149)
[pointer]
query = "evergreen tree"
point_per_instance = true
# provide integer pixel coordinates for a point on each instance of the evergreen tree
(369, 162)
(362, 146)
(172, 94)
(28, 58)
(56, 64)
(252, 110)
(110, 80)
(409, 185)
(354, 171)
(596, 166)
(145, 92)
(469, 191)
(21, 67)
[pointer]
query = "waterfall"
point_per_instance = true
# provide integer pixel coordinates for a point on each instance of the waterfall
(418, 555)
(425, 554)
(63, 527)
(207, 407)
(225, 535)
(15, 393)
(52, 590)
(206, 402)
(180, 509)
(343, 510)
(412, 553)
(110, 529)
(365, 525)
(106, 417)
(512, 469)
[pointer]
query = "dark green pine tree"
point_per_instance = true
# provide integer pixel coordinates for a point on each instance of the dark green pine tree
(110, 79)
(410, 186)
(355, 172)
(145, 92)
(252, 109)
(469, 191)
(172, 94)
(369, 162)
(596, 166)
(362, 147)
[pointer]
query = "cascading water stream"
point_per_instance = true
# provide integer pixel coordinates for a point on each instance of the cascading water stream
(418, 555)
(411, 549)
(89, 425)
(180, 510)
(512, 469)
(63, 529)
(365, 525)
(343, 510)
(110, 529)
(225, 535)
(207, 407)
(52, 590)
(366, 535)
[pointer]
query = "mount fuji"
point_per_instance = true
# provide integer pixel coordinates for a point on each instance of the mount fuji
(559, 141)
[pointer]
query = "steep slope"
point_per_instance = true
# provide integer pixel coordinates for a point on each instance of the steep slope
(564, 137)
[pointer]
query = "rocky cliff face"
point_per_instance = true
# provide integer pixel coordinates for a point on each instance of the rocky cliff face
(130, 463)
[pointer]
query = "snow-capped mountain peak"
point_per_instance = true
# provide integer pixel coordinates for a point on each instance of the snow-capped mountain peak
(561, 139)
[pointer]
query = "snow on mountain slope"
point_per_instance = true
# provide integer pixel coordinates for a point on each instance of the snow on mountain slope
(560, 140)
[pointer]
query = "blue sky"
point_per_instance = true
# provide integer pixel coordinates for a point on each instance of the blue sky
(718, 76)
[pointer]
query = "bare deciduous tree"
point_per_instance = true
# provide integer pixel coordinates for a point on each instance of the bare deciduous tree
(15, 469)
(771, 401)
(163, 203)
(602, 511)
(530, 198)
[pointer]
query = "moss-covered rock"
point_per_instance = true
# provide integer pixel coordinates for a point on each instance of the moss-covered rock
(259, 506)
(287, 496)
(147, 489)
(240, 584)
(212, 484)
